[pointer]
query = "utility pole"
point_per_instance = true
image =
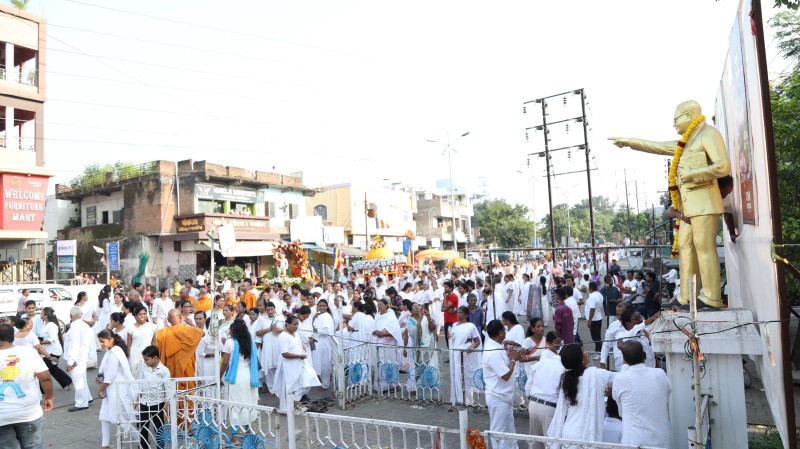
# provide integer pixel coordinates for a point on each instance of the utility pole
(627, 202)
(450, 150)
(549, 186)
(547, 155)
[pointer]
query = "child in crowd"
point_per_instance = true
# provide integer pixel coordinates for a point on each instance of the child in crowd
(153, 396)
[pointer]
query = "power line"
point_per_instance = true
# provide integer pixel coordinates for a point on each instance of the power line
(162, 111)
(221, 30)
(181, 69)
(168, 44)
(186, 89)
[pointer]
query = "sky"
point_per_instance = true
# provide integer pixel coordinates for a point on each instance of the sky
(354, 90)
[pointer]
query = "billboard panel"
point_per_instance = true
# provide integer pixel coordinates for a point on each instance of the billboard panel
(22, 201)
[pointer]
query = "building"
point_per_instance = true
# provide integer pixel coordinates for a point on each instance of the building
(359, 208)
(22, 174)
(434, 218)
(166, 209)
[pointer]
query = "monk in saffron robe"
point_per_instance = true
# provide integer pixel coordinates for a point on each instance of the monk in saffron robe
(176, 348)
(249, 298)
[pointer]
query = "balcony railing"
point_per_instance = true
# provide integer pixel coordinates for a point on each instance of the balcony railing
(23, 144)
(27, 77)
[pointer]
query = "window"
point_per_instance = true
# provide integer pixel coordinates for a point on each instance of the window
(116, 216)
(321, 211)
(269, 209)
(293, 211)
(91, 215)
(104, 215)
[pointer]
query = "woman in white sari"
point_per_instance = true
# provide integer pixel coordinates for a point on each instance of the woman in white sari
(464, 361)
(204, 364)
(419, 335)
(388, 335)
(325, 344)
(580, 410)
(305, 330)
(438, 296)
(140, 336)
(115, 368)
(295, 375)
(359, 332)
(239, 373)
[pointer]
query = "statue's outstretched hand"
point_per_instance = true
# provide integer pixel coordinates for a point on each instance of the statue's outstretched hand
(621, 142)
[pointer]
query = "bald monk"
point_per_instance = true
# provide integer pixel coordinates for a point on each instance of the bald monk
(249, 298)
(177, 344)
(176, 347)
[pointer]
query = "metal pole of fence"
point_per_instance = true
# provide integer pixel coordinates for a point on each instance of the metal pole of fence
(463, 381)
(341, 381)
(463, 426)
(173, 417)
(291, 435)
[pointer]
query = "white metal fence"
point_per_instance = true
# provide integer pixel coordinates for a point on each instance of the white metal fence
(406, 373)
(325, 431)
(353, 373)
(218, 423)
(151, 414)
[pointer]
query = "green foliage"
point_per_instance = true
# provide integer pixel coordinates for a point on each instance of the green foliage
(502, 224)
(785, 100)
(234, 273)
(20, 4)
(96, 174)
(770, 439)
(787, 34)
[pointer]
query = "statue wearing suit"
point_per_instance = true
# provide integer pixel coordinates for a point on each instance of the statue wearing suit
(703, 161)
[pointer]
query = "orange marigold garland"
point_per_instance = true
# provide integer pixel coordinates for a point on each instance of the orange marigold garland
(475, 439)
(674, 193)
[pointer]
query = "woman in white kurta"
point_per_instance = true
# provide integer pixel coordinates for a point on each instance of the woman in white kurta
(305, 330)
(104, 313)
(224, 331)
(239, 373)
(325, 344)
(388, 335)
(204, 354)
(295, 376)
(419, 334)
(160, 307)
(140, 336)
(359, 332)
(464, 361)
(270, 350)
(580, 409)
(114, 368)
(534, 343)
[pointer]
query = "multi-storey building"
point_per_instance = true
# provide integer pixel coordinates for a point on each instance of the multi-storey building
(434, 217)
(166, 209)
(22, 174)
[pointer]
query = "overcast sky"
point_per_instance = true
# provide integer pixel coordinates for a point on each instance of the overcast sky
(345, 90)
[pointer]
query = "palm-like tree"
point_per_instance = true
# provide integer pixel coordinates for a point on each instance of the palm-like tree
(20, 4)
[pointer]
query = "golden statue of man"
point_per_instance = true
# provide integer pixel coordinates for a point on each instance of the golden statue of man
(703, 161)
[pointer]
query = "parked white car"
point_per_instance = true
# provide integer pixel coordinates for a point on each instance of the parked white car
(46, 295)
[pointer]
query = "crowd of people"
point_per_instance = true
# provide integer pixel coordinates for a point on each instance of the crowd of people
(273, 339)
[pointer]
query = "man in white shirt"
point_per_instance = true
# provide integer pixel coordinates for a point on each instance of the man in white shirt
(21, 415)
(576, 311)
(594, 314)
(498, 376)
(77, 343)
(615, 329)
(629, 287)
(380, 287)
(643, 397)
(544, 378)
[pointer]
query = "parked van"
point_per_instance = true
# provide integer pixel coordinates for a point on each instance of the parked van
(45, 295)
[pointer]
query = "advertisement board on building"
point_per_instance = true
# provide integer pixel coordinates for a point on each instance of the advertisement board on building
(113, 256)
(225, 193)
(66, 247)
(23, 201)
(66, 264)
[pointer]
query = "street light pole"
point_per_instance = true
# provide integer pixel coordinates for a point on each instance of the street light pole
(450, 150)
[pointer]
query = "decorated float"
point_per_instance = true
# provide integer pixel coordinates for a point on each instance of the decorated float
(381, 258)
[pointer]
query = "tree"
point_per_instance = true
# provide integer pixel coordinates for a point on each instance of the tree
(502, 224)
(785, 100)
(20, 4)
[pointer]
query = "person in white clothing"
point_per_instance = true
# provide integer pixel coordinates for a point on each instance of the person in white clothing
(594, 314)
(613, 332)
(117, 404)
(580, 409)
(500, 383)
(160, 307)
(643, 396)
(544, 378)
(77, 343)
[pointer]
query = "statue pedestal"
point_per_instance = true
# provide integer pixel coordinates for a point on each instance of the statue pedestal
(722, 378)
